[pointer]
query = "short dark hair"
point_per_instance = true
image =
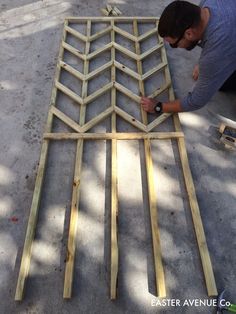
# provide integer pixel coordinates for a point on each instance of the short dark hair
(177, 17)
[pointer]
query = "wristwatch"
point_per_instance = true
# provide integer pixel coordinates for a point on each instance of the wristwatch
(158, 107)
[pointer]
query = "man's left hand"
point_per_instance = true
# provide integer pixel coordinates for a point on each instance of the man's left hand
(148, 104)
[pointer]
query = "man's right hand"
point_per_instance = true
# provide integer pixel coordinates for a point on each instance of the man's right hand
(196, 72)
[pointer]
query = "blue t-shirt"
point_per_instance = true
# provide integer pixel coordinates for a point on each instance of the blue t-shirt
(218, 57)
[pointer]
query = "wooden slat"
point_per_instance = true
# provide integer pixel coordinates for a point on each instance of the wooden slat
(124, 19)
(100, 34)
(69, 270)
(98, 70)
(91, 123)
(74, 51)
(150, 51)
(124, 33)
(196, 216)
(70, 257)
(153, 70)
(114, 189)
(160, 90)
(110, 136)
(127, 92)
(158, 121)
(147, 34)
(76, 34)
(30, 232)
(159, 270)
(67, 120)
(99, 51)
(71, 70)
(127, 70)
(98, 93)
(68, 92)
(127, 117)
(126, 51)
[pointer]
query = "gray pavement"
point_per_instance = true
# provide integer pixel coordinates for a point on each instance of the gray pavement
(30, 33)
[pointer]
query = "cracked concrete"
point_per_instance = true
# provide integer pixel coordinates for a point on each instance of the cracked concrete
(30, 33)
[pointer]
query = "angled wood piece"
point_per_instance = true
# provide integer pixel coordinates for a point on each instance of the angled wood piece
(72, 71)
(91, 123)
(149, 52)
(127, 70)
(30, 232)
(74, 51)
(124, 33)
(125, 51)
(147, 34)
(127, 117)
(159, 269)
(117, 11)
(104, 12)
(68, 92)
(99, 51)
(99, 70)
(158, 121)
(100, 34)
(153, 71)
(160, 90)
(127, 92)
(68, 121)
(70, 260)
(76, 34)
(98, 93)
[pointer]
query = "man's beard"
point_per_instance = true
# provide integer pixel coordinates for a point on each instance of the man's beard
(192, 45)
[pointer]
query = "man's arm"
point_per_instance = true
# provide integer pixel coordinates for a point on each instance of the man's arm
(149, 104)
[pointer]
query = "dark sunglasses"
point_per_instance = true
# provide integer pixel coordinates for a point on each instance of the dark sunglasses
(175, 44)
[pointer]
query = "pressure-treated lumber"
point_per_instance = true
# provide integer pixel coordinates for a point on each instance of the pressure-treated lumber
(114, 191)
(159, 270)
(70, 260)
(196, 216)
(115, 136)
(121, 19)
(26, 256)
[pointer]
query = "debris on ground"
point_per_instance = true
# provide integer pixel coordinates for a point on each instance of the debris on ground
(111, 11)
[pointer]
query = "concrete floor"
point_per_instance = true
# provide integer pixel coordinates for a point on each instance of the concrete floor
(30, 34)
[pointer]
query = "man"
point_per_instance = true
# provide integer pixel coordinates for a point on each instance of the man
(212, 26)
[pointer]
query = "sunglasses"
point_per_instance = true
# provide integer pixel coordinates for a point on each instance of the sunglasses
(175, 44)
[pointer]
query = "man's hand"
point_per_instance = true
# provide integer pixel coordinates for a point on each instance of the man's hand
(148, 104)
(196, 72)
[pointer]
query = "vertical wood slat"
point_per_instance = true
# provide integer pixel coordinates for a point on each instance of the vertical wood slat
(71, 247)
(159, 270)
(30, 232)
(196, 216)
(114, 192)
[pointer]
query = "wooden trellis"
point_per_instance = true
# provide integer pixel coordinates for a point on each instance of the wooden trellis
(81, 128)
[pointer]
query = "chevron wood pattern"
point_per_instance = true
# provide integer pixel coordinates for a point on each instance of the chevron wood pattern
(145, 130)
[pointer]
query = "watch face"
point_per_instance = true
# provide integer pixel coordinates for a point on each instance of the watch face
(157, 108)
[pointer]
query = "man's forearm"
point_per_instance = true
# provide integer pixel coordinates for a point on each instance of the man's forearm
(172, 106)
